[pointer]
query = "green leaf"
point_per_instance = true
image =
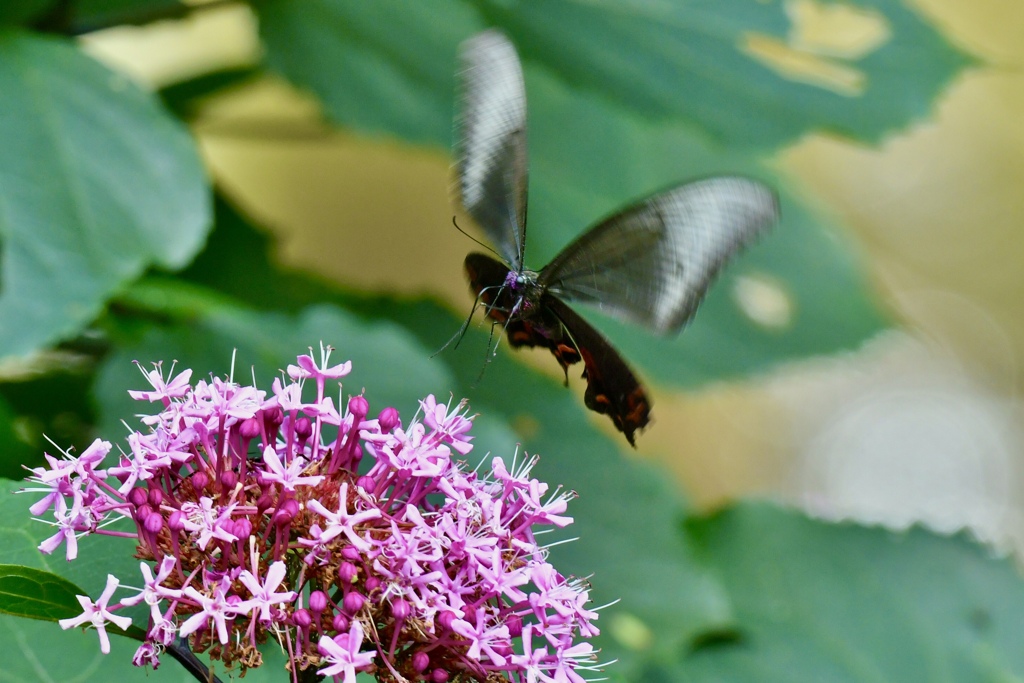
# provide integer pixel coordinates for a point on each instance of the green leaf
(698, 63)
(28, 592)
(96, 184)
(37, 651)
(390, 63)
(91, 15)
(839, 602)
(718, 68)
(23, 11)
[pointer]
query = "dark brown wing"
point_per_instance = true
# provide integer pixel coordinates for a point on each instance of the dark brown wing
(612, 388)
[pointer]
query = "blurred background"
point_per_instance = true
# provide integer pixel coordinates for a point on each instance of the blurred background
(922, 421)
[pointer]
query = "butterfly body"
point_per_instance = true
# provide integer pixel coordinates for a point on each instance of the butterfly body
(650, 263)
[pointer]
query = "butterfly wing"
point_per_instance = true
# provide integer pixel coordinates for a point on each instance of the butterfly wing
(653, 262)
(612, 388)
(490, 154)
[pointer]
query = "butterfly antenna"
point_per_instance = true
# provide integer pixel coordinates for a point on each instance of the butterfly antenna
(478, 242)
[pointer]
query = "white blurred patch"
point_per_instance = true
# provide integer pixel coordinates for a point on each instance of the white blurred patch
(764, 300)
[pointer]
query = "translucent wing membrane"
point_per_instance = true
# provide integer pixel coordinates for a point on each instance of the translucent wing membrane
(653, 262)
(490, 155)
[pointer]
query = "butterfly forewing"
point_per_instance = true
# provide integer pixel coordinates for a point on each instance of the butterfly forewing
(653, 262)
(490, 155)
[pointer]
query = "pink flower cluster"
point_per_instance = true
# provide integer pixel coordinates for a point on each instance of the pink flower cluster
(359, 544)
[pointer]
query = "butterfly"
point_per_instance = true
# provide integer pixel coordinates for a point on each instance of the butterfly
(650, 263)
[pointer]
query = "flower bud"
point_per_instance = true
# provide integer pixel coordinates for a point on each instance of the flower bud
(446, 619)
(228, 480)
(388, 419)
(439, 676)
(340, 623)
(243, 527)
(301, 618)
(358, 407)
(350, 552)
(366, 483)
(199, 481)
(347, 573)
(400, 609)
(176, 521)
(153, 523)
(420, 661)
(137, 497)
(249, 429)
(155, 498)
(353, 602)
(372, 582)
(303, 428)
(317, 602)
(273, 417)
(515, 626)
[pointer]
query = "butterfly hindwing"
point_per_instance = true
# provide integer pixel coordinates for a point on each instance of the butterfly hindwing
(612, 388)
(490, 153)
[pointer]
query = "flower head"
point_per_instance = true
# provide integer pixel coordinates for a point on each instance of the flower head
(261, 520)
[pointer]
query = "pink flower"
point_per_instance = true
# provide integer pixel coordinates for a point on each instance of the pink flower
(436, 565)
(97, 615)
(343, 656)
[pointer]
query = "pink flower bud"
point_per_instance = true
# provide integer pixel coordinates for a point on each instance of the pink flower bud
(176, 522)
(340, 623)
(228, 480)
(400, 609)
(353, 602)
(317, 602)
(199, 481)
(301, 618)
(446, 619)
(358, 407)
(347, 572)
(137, 497)
(303, 428)
(439, 676)
(388, 419)
(153, 523)
(155, 498)
(249, 429)
(420, 661)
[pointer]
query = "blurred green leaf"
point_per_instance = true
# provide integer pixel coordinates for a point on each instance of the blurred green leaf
(28, 592)
(23, 11)
(690, 63)
(693, 62)
(40, 651)
(838, 602)
(91, 15)
(384, 66)
(96, 183)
